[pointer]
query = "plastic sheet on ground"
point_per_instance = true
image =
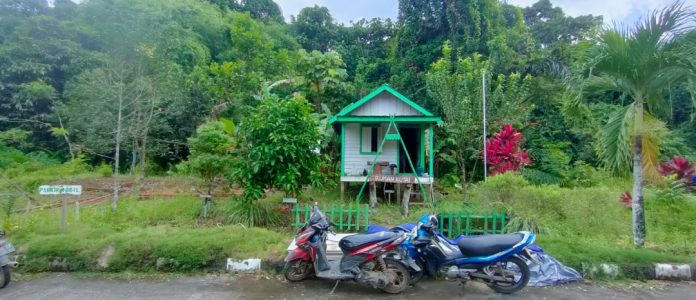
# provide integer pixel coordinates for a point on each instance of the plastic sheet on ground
(551, 272)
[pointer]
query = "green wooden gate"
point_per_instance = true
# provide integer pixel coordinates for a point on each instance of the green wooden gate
(453, 224)
(352, 217)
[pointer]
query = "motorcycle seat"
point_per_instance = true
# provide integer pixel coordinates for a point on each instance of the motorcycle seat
(485, 245)
(356, 241)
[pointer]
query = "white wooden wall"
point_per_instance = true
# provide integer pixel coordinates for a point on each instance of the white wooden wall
(354, 162)
(385, 104)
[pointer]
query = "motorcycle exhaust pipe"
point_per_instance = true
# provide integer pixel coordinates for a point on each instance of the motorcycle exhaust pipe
(455, 274)
(13, 264)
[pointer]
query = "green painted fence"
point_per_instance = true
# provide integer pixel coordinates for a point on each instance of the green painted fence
(356, 218)
(453, 224)
(352, 217)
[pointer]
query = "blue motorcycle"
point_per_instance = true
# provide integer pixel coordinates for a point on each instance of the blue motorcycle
(498, 260)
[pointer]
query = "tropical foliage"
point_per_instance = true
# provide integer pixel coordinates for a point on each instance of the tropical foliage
(641, 64)
(144, 85)
(504, 153)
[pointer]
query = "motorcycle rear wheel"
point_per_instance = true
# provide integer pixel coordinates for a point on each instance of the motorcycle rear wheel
(402, 276)
(5, 276)
(297, 270)
(516, 266)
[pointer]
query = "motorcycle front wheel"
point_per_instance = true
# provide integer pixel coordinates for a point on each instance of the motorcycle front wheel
(5, 276)
(515, 271)
(297, 270)
(402, 276)
(416, 276)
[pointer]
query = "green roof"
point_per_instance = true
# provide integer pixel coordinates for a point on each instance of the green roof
(348, 109)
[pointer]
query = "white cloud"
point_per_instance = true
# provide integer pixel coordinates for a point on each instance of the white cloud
(293, 7)
(620, 11)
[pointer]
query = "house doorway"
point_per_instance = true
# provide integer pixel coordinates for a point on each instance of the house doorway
(411, 137)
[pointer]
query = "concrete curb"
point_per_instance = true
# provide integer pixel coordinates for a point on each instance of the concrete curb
(657, 271)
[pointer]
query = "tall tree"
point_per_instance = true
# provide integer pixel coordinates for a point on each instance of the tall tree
(104, 103)
(551, 27)
(314, 28)
(456, 86)
(322, 74)
(263, 10)
(640, 64)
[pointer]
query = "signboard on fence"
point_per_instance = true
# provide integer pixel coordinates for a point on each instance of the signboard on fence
(60, 190)
(393, 179)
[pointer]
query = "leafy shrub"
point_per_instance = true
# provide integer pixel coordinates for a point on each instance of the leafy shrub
(680, 168)
(104, 170)
(626, 199)
(210, 152)
(504, 152)
(8, 203)
(254, 213)
(501, 188)
(278, 147)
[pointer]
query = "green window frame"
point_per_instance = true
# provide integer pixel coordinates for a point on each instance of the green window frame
(374, 140)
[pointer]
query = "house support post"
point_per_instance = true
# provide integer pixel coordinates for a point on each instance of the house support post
(343, 190)
(373, 194)
(405, 200)
(398, 193)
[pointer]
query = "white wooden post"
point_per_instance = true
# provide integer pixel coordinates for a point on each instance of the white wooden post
(63, 213)
(77, 211)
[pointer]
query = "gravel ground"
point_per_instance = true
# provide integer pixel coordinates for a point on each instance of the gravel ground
(68, 286)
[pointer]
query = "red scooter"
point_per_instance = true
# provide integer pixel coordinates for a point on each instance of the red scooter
(363, 258)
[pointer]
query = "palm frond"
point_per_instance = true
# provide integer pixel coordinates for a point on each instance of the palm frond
(653, 133)
(645, 59)
(614, 140)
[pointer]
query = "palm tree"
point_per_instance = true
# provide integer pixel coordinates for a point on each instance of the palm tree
(640, 64)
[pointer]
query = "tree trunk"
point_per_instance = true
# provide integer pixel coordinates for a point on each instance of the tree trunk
(65, 135)
(117, 156)
(134, 156)
(317, 101)
(462, 175)
(143, 149)
(462, 178)
(638, 214)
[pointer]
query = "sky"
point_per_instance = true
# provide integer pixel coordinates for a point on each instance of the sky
(620, 11)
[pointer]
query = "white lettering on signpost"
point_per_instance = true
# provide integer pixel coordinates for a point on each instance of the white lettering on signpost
(60, 190)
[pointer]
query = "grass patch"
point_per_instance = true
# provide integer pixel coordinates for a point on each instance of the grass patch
(576, 225)
(589, 225)
(161, 248)
(165, 235)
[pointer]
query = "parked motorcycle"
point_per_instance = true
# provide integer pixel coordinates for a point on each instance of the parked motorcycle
(6, 263)
(363, 258)
(498, 260)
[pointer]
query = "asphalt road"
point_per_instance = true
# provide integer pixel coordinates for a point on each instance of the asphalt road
(66, 286)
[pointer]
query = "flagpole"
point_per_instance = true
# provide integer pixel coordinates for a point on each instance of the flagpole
(485, 155)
